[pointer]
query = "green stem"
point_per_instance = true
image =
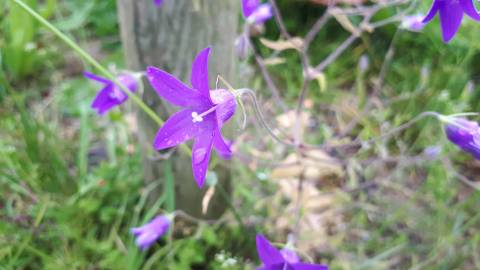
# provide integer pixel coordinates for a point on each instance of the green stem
(89, 59)
(96, 65)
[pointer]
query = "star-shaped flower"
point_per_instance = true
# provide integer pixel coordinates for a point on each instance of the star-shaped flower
(111, 95)
(202, 117)
(255, 12)
(451, 15)
(273, 259)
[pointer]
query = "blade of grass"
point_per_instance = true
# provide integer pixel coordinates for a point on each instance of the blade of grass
(169, 190)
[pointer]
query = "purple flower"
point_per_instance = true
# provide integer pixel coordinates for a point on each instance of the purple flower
(255, 12)
(148, 234)
(413, 23)
(158, 3)
(202, 117)
(273, 259)
(465, 134)
(451, 15)
(111, 95)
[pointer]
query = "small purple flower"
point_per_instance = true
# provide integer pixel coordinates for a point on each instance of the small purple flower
(111, 95)
(451, 15)
(413, 23)
(465, 134)
(273, 259)
(158, 3)
(148, 234)
(255, 12)
(203, 115)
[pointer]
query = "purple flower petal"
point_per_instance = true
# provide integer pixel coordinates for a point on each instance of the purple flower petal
(268, 254)
(173, 90)
(226, 105)
(158, 3)
(102, 97)
(290, 256)
(465, 134)
(469, 9)
(111, 95)
(199, 76)
(148, 234)
(307, 266)
(248, 6)
(103, 102)
(451, 14)
(474, 147)
(128, 81)
(146, 240)
(137, 231)
(202, 148)
(462, 132)
(94, 77)
(432, 12)
(263, 13)
(180, 128)
(222, 146)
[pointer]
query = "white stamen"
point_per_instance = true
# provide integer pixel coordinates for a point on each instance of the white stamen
(196, 118)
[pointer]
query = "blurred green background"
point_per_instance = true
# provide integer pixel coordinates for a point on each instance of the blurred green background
(71, 182)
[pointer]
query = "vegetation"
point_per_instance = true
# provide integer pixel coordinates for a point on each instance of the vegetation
(72, 185)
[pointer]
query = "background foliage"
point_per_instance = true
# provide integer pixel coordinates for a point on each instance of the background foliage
(72, 182)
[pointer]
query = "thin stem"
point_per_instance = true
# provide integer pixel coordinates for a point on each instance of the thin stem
(96, 65)
(260, 116)
(183, 214)
(391, 132)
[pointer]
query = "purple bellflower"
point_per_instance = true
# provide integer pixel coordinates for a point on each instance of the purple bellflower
(158, 3)
(111, 95)
(451, 15)
(465, 134)
(202, 117)
(273, 259)
(149, 233)
(255, 12)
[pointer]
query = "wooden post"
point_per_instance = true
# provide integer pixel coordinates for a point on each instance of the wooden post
(169, 37)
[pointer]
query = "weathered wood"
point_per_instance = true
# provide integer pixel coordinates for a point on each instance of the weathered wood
(169, 37)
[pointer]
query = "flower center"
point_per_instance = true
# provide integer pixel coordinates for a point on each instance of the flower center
(199, 117)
